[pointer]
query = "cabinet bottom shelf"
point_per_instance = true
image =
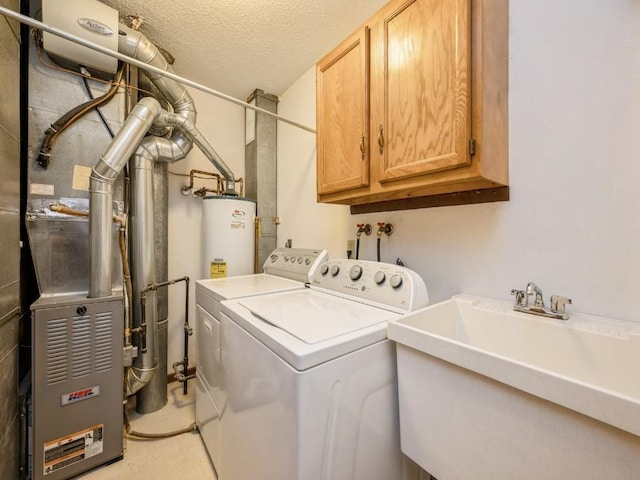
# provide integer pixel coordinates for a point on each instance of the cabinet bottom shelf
(485, 195)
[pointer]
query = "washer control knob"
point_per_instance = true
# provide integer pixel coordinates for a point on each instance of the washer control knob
(335, 270)
(324, 269)
(379, 278)
(355, 273)
(395, 280)
(300, 259)
(274, 258)
(293, 259)
(307, 261)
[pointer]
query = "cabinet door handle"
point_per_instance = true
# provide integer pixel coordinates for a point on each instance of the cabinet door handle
(362, 146)
(381, 139)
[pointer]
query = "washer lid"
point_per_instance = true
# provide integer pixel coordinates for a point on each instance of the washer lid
(313, 318)
(307, 327)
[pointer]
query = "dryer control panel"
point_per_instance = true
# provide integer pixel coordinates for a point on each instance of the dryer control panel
(382, 284)
(294, 263)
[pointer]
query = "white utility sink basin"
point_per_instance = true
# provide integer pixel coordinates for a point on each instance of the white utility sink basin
(489, 393)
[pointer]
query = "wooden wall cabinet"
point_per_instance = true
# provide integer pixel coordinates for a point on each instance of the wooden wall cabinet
(414, 105)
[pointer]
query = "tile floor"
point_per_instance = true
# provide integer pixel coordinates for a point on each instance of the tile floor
(175, 458)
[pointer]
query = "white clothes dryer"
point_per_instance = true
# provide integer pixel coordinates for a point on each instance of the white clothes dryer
(309, 377)
(285, 269)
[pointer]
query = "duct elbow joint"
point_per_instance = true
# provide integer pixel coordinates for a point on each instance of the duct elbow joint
(137, 378)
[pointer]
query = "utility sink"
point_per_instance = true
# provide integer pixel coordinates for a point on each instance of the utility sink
(489, 393)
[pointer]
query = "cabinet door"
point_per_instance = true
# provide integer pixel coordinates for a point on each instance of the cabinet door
(421, 86)
(342, 116)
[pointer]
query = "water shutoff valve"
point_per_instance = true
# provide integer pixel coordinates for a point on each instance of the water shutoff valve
(363, 228)
(385, 228)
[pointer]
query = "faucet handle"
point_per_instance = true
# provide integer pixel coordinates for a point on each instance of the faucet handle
(558, 303)
(521, 297)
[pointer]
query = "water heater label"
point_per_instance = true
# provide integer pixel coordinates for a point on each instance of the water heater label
(74, 448)
(238, 219)
(79, 395)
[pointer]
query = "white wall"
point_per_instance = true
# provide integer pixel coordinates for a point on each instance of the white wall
(222, 124)
(307, 223)
(573, 222)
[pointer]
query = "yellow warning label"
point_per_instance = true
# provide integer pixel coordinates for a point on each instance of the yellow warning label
(218, 269)
(74, 448)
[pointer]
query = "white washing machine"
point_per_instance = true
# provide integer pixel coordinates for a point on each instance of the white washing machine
(309, 377)
(286, 269)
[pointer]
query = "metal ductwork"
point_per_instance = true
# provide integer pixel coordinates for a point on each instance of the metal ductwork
(134, 44)
(103, 176)
(130, 142)
(189, 128)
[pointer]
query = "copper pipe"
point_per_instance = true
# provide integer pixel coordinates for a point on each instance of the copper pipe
(258, 234)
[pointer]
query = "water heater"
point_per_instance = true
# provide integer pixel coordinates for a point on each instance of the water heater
(228, 236)
(87, 19)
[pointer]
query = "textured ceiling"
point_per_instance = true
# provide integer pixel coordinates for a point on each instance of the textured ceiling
(236, 46)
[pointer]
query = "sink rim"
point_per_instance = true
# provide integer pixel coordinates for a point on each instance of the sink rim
(609, 406)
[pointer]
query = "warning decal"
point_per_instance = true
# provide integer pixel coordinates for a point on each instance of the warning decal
(218, 268)
(73, 448)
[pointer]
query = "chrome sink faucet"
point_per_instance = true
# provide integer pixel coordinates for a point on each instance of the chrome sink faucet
(556, 310)
(533, 289)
